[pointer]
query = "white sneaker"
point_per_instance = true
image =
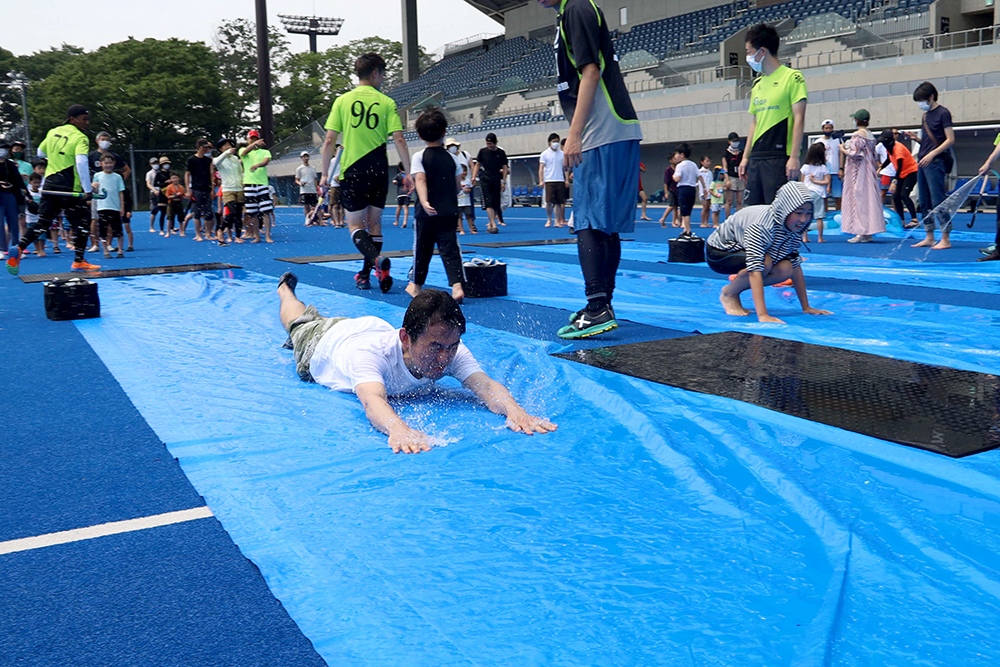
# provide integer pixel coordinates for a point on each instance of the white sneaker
(854, 239)
(93, 248)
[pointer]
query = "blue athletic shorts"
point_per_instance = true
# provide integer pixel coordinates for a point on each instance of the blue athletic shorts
(604, 187)
(836, 186)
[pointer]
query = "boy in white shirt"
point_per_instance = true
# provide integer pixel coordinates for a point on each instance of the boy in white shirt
(371, 358)
(686, 178)
(465, 206)
(552, 179)
(704, 188)
(108, 188)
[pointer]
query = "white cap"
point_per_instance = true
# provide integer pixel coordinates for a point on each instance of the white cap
(303, 153)
(829, 121)
(451, 142)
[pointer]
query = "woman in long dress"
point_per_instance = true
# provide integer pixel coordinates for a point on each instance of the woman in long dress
(862, 203)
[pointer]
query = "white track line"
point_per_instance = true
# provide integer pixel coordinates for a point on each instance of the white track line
(103, 530)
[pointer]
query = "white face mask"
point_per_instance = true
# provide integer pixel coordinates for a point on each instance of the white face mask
(924, 106)
(754, 65)
(453, 150)
(166, 166)
(154, 167)
(554, 145)
(104, 145)
(735, 145)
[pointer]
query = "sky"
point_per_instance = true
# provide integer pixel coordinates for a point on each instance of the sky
(81, 24)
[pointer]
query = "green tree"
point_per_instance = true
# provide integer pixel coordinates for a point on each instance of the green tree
(236, 66)
(153, 93)
(42, 64)
(10, 97)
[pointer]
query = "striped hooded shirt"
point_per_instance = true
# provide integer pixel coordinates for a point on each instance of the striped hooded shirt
(760, 230)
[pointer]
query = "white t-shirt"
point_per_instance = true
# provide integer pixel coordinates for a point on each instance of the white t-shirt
(553, 161)
(230, 170)
(307, 178)
(150, 175)
(688, 171)
(817, 171)
(881, 155)
(111, 185)
(704, 182)
(36, 195)
(465, 198)
(832, 154)
(368, 349)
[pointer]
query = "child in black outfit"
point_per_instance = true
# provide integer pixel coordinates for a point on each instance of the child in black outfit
(437, 176)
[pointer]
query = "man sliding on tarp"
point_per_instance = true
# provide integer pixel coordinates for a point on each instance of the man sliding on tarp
(370, 357)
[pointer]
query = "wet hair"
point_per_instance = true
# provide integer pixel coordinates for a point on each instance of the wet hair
(491, 138)
(764, 36)
(366, 65)
(431, 306)
(553, 136)
(816, 155)
(431, 125)
(733, 136)
(684, 149)
(925, 92)
(400, 166)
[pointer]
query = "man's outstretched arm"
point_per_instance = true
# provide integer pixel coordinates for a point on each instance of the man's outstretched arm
(402, 438)
(498, 400)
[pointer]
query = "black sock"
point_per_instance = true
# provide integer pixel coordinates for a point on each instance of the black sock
(596, 303)
(377, 240)
(367, 247)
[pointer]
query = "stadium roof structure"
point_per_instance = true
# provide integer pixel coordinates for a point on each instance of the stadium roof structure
(495, 9)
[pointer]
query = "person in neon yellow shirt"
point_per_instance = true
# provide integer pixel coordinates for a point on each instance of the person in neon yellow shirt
(778, 110)
(258, 198)
(66, 189)
(365, 118)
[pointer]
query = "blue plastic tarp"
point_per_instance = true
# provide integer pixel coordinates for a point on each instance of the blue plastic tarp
(655, 527)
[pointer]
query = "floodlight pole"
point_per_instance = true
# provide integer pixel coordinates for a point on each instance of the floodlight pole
(264, 76)
(411, 51)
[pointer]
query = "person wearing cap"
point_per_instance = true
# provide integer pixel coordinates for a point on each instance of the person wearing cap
(160, 183)
(307, 179)
(861, 214)
(231, 174)
(258, 198)
(123, 169)
(198, 183)
(154, 166)
(832, 140)
(454, 146)
(67, 189)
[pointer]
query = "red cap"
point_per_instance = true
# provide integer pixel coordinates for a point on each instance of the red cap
(253, 134)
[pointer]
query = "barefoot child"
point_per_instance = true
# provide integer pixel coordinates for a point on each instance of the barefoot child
(717, 193)
(686, 177)
(816, 176)
(109, 188)
(705, 179)
(437, 174)
(759, 246)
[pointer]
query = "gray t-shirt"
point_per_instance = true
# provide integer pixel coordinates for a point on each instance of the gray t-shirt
(307, 176)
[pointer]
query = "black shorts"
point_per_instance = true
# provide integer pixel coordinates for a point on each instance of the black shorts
(491, 194)
(403, 200)
(725, 262)
(671, 198)
(556, 192)
(308, 198)
(686, 194)
(765, 175)
(110, 220)
(76, 212)
(359, 191)
(201, 204)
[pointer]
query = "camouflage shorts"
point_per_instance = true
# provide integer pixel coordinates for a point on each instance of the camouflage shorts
(306, 332)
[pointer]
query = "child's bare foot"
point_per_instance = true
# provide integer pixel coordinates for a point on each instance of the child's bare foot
(941, 245)
(457, 292)
(413, 289)
(732, 305)
(197, 238)
(704, 224)
(675, 223)
(663, 223)
(268, 239)
(238, 240)
(41, 253)
(461, 233)
(395, 224)
(548, 224)
(183, 234)
(256, 240)
(646, 219)
(926, 243)
(404, 225)
(820, 240)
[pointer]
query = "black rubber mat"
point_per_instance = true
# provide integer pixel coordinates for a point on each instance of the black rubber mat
(943, 410)
(519, 244)
(316, 259)
(122, 273)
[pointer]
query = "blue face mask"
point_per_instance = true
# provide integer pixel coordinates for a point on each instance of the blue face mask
(754, 64)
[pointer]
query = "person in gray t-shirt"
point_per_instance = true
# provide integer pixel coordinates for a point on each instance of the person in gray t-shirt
(306, 178)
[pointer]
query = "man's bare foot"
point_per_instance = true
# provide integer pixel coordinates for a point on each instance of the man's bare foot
(197, 238)
(257, 240)
(941, 245)
(926, 243)
(239, 240)
(395, 224)
(663, 223)
(413, 289)
(152, 231)
(704, 224)
(646, 219)
(548, 224)
(457, 292)
(461, 233)
(41, 253)
(269, 240)
(182, 234)
(820, 240)
(732, 305)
